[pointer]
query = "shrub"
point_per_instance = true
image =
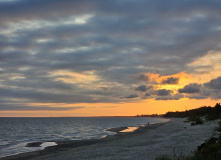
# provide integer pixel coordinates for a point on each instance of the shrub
(195, 120)
(213, 116)
(209, 150)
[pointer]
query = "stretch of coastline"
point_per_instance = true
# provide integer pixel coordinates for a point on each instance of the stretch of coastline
(146, 142)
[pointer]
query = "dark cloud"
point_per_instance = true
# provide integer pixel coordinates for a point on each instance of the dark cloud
(143, 77)
(147, 94)
(170, 97)
(190, 88)
(214, 84)
(171, 80)
(164, 92)
(213, 88)
(142, 88)
(197, 97)
(132, 96)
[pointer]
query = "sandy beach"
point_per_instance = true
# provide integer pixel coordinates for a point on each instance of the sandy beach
(173, 137)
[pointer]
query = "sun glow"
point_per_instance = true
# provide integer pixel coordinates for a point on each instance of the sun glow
(159, 81)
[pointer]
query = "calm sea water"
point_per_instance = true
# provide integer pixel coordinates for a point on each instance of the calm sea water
(15, 133)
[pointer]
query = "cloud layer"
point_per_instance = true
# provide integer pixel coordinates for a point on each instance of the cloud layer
(100, 51)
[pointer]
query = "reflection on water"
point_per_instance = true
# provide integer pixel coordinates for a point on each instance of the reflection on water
(130, 129)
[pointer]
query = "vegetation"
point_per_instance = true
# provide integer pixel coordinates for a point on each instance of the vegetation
(210, 113)
(209, 150)
(195, 120)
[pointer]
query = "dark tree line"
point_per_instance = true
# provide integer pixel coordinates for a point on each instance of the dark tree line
(210, 113)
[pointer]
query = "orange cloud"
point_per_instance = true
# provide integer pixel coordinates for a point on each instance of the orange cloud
(170, 83)
(157, 78)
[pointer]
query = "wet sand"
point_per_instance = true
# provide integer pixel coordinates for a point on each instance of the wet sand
(147, 142)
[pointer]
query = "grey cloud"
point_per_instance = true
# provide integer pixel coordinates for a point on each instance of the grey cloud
(142, 77)
(142, 88)
(132, 96)
(213, 88)
(164, 92)
(39, 9)
(170, 97)
(19, 107)
(171, 80)
(33, 82)
(119, 60)
(214, 84)
(147, 94)
(52, 96)
(197, 97)
(215, 95)
(121, 42)
(12, 56)
(190, 88)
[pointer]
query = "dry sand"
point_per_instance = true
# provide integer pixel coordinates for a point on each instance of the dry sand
(146, 143)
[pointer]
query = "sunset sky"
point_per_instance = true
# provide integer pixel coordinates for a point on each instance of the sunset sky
(108, 57)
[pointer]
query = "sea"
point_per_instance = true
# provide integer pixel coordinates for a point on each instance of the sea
(16, 133)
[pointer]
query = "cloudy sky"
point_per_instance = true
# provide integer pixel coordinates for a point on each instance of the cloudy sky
(108, 57)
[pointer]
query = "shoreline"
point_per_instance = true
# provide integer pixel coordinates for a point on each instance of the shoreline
(63, 145)
(147, 142)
